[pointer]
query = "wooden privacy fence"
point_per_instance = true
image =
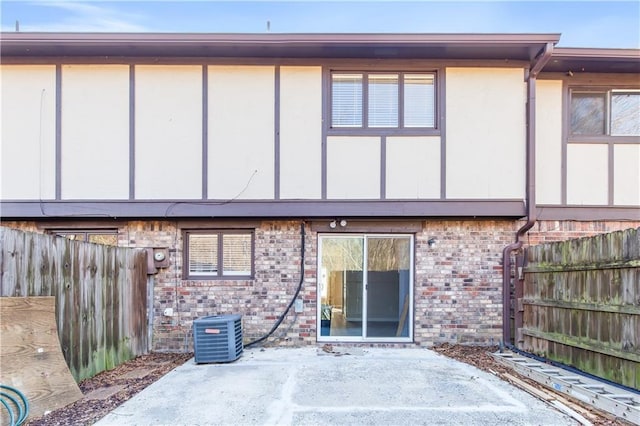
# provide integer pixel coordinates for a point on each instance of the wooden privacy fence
(582, 304)
(100, 291)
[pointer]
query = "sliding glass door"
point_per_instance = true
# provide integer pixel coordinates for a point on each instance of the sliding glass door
(365, 287)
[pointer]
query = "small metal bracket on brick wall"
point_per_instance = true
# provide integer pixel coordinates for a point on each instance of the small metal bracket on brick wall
(521, 261)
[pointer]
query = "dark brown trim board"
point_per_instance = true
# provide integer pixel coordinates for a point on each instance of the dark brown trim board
(565, 137)
(276, 133)
(390, 64)
(588, 213)
(132, 132)
(58, 171)
(205, 132)
(383, 167)
(261, 209)
(442, 126)
(326, 113)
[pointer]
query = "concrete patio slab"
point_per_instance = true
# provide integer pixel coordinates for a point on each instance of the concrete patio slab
(376, 386)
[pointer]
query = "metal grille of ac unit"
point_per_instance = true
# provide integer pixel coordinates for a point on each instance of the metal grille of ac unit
(217, 338)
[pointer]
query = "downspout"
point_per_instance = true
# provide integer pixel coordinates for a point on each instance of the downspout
(532, 74)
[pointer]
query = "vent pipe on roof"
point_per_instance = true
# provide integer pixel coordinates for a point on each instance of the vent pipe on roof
(537, 66)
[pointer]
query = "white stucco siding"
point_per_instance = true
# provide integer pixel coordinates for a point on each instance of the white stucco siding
(241, 132)
(353, 167)
(587, 174)
(300, 132)
(485, 136)
(168, 132)
(95, 132)
(28, 122)
(548, 142)
(413, 167)
(626, 178)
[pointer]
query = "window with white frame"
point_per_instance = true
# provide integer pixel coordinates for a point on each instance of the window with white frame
(605, 113)
(393, 100)
(218, 254)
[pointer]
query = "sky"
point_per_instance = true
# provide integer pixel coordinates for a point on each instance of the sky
(614, 24)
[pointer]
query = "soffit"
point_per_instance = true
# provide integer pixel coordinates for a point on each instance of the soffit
(579, 60)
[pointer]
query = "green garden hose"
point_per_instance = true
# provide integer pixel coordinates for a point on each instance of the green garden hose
(18, 402)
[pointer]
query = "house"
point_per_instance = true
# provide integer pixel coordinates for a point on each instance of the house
(375, 183)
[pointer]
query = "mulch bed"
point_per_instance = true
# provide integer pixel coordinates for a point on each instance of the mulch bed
(126, 380)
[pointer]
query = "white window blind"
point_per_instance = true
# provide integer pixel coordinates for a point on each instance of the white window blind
(383, 92)
(383, 100)
(419, 100)
(346, 100)
(236, 254)
(203, 254)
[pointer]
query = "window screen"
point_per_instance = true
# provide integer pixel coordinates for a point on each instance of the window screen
(217, 254)
(392, 100)
(383, 100)
(419, 100)
(203, 254)
(105, 237)
(625, 114)
(236, 254)
(588, 113)
(605, 113)
(346, 91)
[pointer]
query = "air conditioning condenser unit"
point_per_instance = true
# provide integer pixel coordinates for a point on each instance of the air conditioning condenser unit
(217, 338)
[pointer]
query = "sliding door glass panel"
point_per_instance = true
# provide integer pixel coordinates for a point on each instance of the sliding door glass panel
(387, 286)
(341, 288)
(364, 287)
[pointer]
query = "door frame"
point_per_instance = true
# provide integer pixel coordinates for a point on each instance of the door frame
(319, 284)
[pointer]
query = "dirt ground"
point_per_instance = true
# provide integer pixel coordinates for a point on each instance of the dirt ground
(106, 391)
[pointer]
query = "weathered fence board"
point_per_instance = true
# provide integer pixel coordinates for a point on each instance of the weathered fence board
(30, 355)
(100, 291)
(582, 304)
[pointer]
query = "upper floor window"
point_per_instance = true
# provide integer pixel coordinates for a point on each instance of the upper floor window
(605, 113)
(213, 254)
(383, 100)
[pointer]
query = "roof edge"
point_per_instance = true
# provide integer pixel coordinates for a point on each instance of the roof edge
(284, 37)
(585, 52)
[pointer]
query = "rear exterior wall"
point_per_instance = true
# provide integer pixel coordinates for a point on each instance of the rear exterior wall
(457, 285)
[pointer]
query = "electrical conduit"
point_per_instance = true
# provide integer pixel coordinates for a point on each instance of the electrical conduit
(295, 296)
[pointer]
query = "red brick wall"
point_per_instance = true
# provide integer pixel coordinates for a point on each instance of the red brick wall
(555, 230)
(457, 283)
